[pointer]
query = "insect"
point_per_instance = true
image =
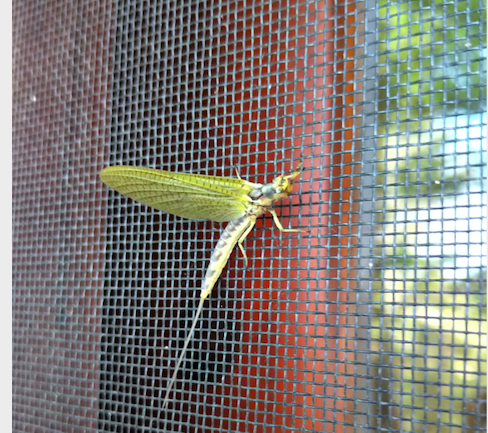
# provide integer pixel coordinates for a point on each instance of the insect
(201, 197)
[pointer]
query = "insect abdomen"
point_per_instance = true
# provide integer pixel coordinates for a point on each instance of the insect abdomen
(224, 247)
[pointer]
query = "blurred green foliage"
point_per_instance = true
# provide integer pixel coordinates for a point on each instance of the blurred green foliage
(433, 58)
(429, 318)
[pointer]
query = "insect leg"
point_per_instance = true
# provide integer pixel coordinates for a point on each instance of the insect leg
(241, 240)
(280, 227)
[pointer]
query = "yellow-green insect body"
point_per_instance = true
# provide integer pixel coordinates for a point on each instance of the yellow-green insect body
(203, 197)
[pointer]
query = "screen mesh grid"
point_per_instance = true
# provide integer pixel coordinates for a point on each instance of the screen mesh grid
(373, 320)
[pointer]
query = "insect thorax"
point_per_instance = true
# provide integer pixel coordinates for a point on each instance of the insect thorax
(255, 209)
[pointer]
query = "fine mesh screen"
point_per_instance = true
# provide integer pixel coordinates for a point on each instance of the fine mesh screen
(372, 320)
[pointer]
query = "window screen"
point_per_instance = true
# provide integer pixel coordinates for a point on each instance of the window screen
(374, 319)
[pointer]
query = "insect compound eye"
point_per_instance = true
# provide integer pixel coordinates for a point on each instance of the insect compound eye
(269, 191)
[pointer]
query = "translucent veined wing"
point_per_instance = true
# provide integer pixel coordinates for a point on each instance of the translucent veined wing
(191, 196)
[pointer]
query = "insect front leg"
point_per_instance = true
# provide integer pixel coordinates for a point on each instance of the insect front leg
(280, 227)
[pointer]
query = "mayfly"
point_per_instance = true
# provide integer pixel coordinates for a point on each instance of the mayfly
(201, 197)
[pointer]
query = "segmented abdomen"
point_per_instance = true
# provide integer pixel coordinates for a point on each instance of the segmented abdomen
(224, 247)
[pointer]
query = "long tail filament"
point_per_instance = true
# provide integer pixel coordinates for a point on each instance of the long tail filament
(183, 351)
